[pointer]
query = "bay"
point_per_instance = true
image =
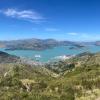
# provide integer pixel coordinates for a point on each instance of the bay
(50, 54)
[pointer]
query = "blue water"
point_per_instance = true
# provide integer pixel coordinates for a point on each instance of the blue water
(50, 54)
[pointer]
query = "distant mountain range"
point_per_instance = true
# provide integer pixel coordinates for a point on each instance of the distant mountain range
(97, 43)
(40, 44)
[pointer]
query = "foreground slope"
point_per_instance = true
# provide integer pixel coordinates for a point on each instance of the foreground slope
(77, 78)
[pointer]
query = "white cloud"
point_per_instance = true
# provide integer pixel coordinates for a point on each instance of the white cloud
(84, 36)
(51, 29)
(28, 15)
(72, 34)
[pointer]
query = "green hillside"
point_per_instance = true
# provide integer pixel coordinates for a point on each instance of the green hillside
(77, 78)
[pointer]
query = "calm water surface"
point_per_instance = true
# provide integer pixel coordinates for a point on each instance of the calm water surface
(50, 54)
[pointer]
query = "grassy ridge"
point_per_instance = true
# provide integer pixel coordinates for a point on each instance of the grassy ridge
(75, 79)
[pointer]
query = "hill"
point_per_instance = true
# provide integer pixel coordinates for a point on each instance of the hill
(37, 44)
(97, 43)
(7, 58)
(77, 78)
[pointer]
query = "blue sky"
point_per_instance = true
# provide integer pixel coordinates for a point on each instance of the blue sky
(75, 20)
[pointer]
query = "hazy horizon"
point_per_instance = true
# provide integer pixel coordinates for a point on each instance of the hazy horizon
(48, 39)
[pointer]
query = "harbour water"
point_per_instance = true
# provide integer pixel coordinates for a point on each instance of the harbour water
(50, 54)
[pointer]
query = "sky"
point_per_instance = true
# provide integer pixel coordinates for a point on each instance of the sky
(74, 20)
